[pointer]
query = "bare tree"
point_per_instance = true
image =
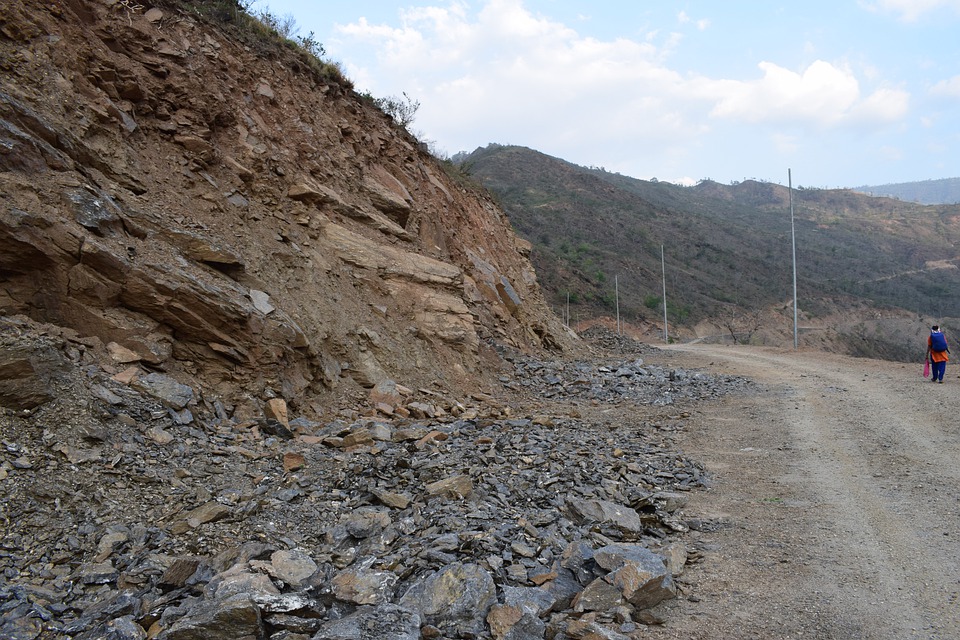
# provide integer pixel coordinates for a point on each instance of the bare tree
(740, 324)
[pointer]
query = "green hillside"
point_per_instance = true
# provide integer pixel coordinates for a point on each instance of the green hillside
(726, 247)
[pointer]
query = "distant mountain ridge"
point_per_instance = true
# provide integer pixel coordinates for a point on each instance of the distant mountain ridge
(942, 191)
(597, 238)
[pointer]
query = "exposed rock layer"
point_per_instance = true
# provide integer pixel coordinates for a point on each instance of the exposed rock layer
(227, 217)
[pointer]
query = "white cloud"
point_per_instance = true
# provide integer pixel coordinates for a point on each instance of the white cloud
(785, 144)
(883, 105)
(701, 24)
(910, 10)
(949, 88)
(509, 19)
(504, 74)
(520, 70)
(891, 153)
(823, 94)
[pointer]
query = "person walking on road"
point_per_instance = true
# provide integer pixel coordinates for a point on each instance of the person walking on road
(938, 353)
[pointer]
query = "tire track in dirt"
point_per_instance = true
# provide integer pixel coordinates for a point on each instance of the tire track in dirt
(843, 471)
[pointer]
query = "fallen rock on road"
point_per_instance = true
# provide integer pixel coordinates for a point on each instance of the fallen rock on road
(141, 509)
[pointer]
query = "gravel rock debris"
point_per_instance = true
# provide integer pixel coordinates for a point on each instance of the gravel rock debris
(139, 508)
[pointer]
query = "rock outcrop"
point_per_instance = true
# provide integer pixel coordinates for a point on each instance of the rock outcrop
(223, 214)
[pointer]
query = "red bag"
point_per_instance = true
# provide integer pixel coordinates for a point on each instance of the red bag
(926, 369)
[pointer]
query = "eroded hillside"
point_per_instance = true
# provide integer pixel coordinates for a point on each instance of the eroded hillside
(222, 213)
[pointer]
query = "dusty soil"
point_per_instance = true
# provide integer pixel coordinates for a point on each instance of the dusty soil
(834, 508)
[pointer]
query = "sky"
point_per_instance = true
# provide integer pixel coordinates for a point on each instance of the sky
(842, 93)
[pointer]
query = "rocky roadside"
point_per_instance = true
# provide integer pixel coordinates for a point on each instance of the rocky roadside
(134, 506)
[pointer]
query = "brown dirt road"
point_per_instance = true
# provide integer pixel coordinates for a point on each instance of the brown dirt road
(835, 505)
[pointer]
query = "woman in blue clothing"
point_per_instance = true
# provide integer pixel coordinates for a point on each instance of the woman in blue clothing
(938, 353)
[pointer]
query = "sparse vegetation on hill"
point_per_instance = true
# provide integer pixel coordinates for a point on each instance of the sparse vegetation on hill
(263, 29)
(727, 248)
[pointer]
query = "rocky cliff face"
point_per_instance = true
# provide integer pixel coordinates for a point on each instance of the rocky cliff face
(217, 212)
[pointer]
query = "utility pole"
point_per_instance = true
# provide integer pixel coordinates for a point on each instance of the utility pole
(663, 270)
(616, 295)
(793, 237)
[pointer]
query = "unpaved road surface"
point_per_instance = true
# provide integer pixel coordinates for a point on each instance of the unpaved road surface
(835, 505)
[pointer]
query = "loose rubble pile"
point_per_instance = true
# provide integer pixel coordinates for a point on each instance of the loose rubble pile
(133, 506)
(613, 382)
(609, 342)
